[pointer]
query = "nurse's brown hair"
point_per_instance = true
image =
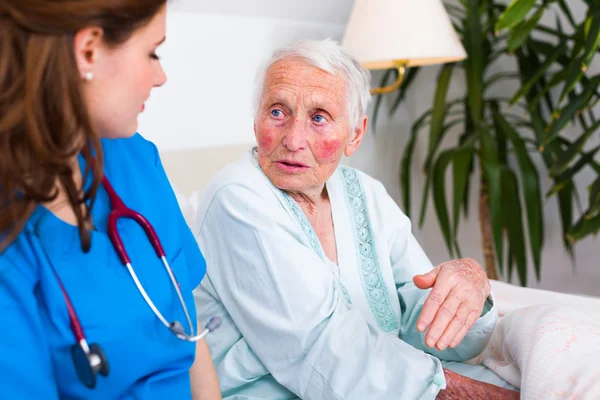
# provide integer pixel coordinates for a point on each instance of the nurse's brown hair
(44, 122)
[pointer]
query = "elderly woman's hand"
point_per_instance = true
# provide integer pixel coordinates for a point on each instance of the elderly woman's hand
(460, 387)
(460, 288)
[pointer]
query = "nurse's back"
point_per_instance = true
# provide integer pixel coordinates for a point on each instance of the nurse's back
(74, 77)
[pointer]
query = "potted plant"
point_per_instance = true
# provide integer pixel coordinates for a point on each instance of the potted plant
(501, 144)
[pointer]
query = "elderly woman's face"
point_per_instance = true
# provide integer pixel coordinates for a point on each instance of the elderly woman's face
(303, 127)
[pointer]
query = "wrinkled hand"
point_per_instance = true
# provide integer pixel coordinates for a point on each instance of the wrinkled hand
(460, 288)
(460, 387)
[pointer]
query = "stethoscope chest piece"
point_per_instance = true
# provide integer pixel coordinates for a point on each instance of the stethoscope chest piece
(88, 364)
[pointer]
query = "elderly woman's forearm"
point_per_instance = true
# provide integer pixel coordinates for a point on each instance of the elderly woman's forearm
(460, 387)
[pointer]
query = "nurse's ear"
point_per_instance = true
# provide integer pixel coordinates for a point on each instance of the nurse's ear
(357, 136)
(86, 45)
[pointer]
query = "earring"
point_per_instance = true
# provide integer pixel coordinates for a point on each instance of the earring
(88, 76)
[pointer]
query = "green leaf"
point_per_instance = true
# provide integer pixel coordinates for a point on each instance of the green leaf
(458, 10)
(527, 66)
(514, 13)
(583, 228)
(500, 134)
(430, 175)
(538, 74)
(565, 197)
(406, 163)
(466, 135)
(554, 81)
(511, 264)
(428, 169)
(592, 41)
(565, 206)
(428, 179)
(521, 32)
(575, 72)
(492, 173)
(500, 76)
(565, 158)
(475, 63)
(439, 195)
(594, 198)
(565, 178)
(531, 191)
(563, 6)
(514, 222)
(568, 112)
(410, 77)
(460, 170)
(436, 132)
(379, 99)
(439, 110)
(566, 61)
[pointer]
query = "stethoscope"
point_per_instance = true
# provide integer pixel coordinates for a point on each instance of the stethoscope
(89, 359)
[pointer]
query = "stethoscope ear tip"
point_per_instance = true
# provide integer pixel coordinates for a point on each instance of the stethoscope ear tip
(213, 323)
(176, 328)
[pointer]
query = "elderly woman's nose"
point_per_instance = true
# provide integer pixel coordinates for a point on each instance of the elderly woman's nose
(295, 137)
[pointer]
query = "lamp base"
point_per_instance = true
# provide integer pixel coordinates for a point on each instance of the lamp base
(401, 67)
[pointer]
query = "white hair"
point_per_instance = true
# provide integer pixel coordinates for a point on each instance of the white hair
(332, 58)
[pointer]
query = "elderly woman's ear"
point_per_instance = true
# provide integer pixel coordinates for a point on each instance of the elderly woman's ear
(357, 136)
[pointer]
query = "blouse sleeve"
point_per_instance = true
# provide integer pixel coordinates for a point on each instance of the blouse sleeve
(408, 259)
(25, 364)
(284, 302)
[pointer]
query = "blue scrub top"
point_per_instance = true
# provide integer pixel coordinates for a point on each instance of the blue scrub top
(146, 360)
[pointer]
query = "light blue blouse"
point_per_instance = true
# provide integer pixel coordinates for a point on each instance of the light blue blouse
(298, 325)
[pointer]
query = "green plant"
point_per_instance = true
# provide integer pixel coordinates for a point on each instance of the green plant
(502, 144)
(567, 58)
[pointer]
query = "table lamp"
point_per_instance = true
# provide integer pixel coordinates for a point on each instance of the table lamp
(385, 34)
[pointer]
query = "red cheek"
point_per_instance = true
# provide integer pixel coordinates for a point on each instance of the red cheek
(266, 139)
(328, 149)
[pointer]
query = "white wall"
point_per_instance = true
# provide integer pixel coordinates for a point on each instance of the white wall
(211, 54)
(211, 62)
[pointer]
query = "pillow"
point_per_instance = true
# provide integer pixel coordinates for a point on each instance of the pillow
(548, 351)
(188, 206)
(511, 297)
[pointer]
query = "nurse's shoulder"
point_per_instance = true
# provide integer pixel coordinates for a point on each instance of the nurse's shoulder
(136, 148)
(20, 254)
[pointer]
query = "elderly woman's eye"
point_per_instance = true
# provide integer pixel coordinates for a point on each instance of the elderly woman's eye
(277, 113)
(319, 118)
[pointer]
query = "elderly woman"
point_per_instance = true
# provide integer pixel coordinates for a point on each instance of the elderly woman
(311, 264)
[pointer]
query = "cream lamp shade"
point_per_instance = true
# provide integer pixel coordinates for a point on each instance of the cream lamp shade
(383, 34)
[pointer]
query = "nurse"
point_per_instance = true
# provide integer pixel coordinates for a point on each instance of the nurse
(74, 76)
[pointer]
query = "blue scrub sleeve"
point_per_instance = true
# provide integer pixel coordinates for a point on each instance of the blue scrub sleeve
(195, 259)
(25, 365)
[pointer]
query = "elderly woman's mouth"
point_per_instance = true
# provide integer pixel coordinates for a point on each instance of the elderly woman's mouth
(291, 166)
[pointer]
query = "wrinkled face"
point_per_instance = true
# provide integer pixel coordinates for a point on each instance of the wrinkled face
(123, 79)
(303, 127)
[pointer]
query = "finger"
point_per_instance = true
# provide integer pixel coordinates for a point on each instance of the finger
(425, 281)
(471, 318)
(442, 318)
(434, 300)
(454, 327)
